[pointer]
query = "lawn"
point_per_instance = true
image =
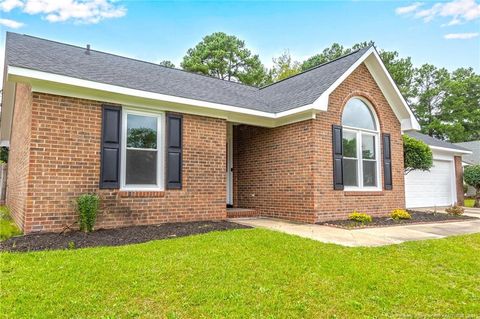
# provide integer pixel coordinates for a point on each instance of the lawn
(469, 202)
(243, 274)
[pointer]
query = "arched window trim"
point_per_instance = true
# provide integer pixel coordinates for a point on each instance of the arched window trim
(360, 133)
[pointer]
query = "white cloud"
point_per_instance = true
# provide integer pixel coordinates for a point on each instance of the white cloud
(408, 9)
(11, 23)
(8, 5)
(461, 36)
(458, 11)
(80, 11)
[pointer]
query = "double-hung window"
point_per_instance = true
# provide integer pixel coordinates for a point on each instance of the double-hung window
(360, 147)
(142, 151)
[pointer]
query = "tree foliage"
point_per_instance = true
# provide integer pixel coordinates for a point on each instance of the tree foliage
(416, 155)
(283, 67)
(142, 137)
(471, 175)
(225, 57)
(167, 63)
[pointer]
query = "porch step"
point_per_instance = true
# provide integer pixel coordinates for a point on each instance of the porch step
(241, 212)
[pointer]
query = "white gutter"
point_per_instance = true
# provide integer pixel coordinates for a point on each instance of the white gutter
(450, 150)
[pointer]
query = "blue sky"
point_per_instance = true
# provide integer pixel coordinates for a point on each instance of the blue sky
(445, 34)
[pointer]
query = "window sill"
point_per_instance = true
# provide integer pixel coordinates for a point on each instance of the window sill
(363, 193)
(141, 194)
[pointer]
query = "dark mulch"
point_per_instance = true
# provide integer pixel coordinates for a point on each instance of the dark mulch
(113, 237)
(417, 218)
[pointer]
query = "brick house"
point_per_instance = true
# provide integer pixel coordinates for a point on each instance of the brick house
(164, 145)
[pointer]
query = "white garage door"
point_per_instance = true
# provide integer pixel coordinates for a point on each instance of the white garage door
(433, 188)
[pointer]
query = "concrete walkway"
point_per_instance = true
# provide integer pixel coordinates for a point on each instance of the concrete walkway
(367, 236)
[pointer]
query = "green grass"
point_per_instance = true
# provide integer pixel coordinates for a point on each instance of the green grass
(7, 226)
(469, 202)
(249, 273)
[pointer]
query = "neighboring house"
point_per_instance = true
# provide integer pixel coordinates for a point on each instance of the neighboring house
(442, 185)
(472, 159)
(164, 145)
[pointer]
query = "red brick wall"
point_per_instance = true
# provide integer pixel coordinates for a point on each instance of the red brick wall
(65, 162)
(272, 170)
(18, 167)
(331, 203)
(287, 172)
(459, 180)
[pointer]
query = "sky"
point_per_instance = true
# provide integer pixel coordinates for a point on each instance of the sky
(446, 34)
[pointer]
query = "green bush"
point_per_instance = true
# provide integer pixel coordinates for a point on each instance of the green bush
(87, 208)
(7, 226)
(471, 175)
(400, 214)
(416, 155)
(360, 217)
(455, 210)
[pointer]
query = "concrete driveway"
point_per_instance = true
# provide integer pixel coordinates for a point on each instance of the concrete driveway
(367, 237)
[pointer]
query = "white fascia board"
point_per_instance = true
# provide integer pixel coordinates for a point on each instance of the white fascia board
(39, 75)
(321, 102)
(450, 150)
(414, 123)
(44, 82)
(407, 123)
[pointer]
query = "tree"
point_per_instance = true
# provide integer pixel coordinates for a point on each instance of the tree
(284, 67)
(401, 70)
(416, 155)
(225, 57)
(333, 52)
(471, 176)
(429, 91)
(167, 63)
(459, 114)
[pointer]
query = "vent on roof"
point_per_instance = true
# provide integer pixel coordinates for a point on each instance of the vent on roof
(88, 49)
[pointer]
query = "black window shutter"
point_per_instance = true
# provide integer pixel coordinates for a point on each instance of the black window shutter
(174, 151)
(337, 137)
(110, 146)
(387, 162)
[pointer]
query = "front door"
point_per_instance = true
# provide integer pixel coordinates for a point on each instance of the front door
(229, 168)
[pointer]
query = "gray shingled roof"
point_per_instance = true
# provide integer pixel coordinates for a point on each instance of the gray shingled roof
(431, 141)
(63, 59)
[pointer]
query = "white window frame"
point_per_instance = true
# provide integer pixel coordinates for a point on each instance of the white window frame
(160, 185)
(376, 134)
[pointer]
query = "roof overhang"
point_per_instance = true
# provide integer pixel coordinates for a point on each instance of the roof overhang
(453, 151)
(74, 87)
(386, 84)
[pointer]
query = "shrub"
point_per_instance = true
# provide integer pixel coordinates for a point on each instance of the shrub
(87, 207)
(455, 210)
(471, 176)
(7, 226)
(360, 217)
(400, 214)
(416, 155)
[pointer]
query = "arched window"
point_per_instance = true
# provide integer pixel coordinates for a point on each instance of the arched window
(360, 145)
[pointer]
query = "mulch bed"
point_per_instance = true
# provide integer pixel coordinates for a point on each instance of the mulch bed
(112, 237)
(417, 218)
